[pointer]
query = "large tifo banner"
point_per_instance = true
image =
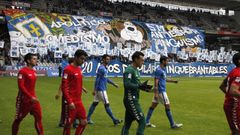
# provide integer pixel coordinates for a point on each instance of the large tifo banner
(39, 32)
(116, 69)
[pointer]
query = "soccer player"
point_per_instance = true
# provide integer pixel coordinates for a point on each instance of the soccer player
(62, 117)
(27, 101)
(100, 91)
(72, 91)
(231, 87)
(160, 95)
(132, 85)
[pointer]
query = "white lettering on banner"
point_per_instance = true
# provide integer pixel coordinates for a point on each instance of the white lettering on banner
(199, 70)
(174, 32)
(148, 69)
(167, 38)
(87, 67)
(90, 67)
(60, 24)
(77, 21)
(124, 66)
(115, 68)
(154, 27)
(182, 42)
(89, 38)
(99, 64)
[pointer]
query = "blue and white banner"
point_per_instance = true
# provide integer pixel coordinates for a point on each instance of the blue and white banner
(196, 69)
(116, 69)
(98, 36)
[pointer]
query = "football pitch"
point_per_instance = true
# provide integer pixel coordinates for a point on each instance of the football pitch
(195, 102)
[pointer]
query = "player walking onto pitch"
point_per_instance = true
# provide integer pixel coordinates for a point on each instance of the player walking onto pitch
(132, 85)
(160, 94)
(59, 93)
(27, 101)
(231, 87)
(72, 92)
(100, 91)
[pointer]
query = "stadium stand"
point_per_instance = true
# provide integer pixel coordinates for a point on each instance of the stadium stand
(210, 23)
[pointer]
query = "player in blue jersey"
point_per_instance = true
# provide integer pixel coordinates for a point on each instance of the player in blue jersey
(160, 94)
(100, 91)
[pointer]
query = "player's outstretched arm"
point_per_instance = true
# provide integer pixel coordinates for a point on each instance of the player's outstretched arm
(112, 83)
(223, 86)
(145, 87)
(148, 89)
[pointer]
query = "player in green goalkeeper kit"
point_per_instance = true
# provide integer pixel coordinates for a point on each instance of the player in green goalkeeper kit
(132, 85)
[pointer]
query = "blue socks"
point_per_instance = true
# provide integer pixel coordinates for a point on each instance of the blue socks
(149, 114)
(109, 112)
(169, 115)
(107, 108)
(90, 111)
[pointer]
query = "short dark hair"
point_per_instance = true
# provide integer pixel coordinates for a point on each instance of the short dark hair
(70, 60)
(137, 55)
(105, 56)
(236, 58)
(80, 53)
(28, 56)
(163, 58)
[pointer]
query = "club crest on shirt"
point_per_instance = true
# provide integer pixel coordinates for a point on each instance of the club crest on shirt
(130, 76)
(237, 79)
(65, 76)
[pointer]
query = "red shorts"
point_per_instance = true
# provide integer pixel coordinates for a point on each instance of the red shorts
(232, 112)
(79, 113)
(23, 108)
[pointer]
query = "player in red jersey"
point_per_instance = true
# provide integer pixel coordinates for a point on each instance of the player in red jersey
(27, 101)
(64, 105)
(231, 87)
(72, 91)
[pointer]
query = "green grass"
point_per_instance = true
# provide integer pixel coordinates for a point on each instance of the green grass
(195, 102)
